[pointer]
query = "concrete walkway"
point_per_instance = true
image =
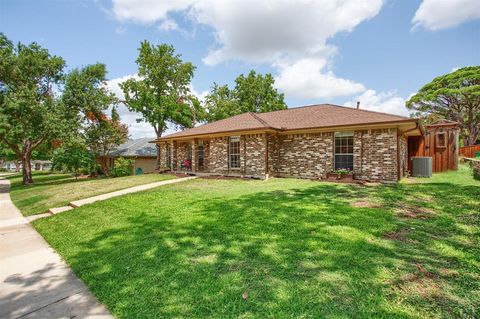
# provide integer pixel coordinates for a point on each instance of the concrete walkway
(130, 190)
(34, 281)
(90, 200)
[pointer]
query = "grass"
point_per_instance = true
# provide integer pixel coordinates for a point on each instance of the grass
(282, 248)
(54, 190)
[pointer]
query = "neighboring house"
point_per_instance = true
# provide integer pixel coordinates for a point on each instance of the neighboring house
(140, 150)
(42, 165)
(37, 165)
(304, 142)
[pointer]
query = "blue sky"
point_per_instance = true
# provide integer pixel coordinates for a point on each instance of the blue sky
(378, 52)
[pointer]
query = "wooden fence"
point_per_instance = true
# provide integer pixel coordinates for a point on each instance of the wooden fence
(469, 151)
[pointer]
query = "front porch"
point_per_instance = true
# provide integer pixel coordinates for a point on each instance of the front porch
(236, 156)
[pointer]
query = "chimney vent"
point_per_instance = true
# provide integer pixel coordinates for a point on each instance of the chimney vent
(358, 105)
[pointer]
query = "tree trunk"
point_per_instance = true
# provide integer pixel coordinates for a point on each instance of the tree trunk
(159, 134)
(27, 169)
(17, 166)
(103, 164)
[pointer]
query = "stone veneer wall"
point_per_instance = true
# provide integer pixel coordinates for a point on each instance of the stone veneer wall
(375, 154)
(305, 155)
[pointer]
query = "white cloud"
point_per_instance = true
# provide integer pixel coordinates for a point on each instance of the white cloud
(306, 78)
(283, 33)
(387, 102)
(440, 14)
(168, 25)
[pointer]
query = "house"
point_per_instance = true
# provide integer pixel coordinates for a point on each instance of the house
(42, 165)
(37, 165)
(303, 142)
(140, 150)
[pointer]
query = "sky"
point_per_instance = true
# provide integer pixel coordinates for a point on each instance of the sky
(324, 51)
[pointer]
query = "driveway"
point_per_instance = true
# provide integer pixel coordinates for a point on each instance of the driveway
(34, 281)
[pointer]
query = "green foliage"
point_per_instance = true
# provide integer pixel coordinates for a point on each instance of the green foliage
(29, 112)
(85, 95)
(221, 103)
(252, 93)
(74, 157)
(103, 134)
(122, 167)
(454, 96)
(161, 93)
(32, 116)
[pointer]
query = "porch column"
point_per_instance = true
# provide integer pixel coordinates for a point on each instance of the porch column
(194, 156)
(172, 155)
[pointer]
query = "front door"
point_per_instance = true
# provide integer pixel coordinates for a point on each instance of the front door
(413, 150)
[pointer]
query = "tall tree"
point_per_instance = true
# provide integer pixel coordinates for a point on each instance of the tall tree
(161, 93)
(454, 96)
(255, 93)
(252, 93)
(103, 134)
(29, 112)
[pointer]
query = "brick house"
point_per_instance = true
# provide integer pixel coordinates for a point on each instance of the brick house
(303, 142)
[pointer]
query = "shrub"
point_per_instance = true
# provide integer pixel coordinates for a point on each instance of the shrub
(122, 167)
(476, 173)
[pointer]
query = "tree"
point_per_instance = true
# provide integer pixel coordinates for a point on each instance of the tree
(161, 94)
(255, 93)
(221, 103)
(29, 112)
(86, 95)
(103, 134)
(73, 156)
(252, 93)
(454, 96)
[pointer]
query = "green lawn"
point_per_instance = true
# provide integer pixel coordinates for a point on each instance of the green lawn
(54, 190)
(282, 248)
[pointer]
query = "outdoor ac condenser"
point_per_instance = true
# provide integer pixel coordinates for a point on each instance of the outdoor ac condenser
(421, 166)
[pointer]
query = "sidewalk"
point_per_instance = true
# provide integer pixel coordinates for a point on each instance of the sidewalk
(34, 281)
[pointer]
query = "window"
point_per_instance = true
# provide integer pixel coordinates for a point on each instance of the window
(344, 150)
(200, 153)
(168, 157)
(441, 140)
(234, 152)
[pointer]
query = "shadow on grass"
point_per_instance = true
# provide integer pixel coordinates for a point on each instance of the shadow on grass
(303, 253)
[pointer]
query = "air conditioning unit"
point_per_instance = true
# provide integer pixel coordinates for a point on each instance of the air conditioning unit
(421, 166)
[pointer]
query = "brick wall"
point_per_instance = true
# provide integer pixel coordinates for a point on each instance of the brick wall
(305, 155)
(302, 155)
(402, 140)
(253, 154)
(375, 154)
(218, 155)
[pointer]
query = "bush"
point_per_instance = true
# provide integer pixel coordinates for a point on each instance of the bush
(476, 173)
(122, 167)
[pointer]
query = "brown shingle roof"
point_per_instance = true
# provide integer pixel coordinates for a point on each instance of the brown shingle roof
(313, 116)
